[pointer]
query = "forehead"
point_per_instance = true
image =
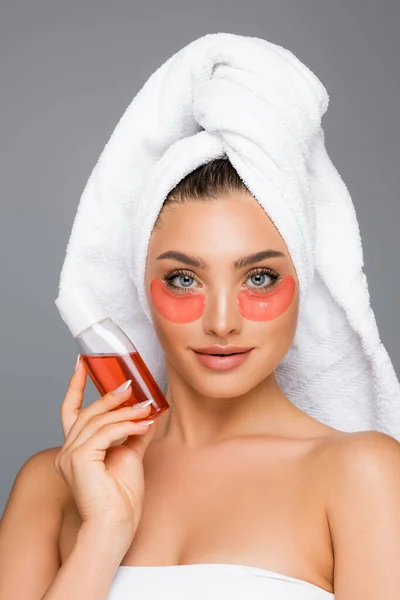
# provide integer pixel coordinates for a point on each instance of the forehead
(233, 224)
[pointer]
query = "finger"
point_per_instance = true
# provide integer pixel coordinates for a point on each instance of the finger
(100, 441)
(102, 405)
(140, 443)
(132, 413)
(73, 399)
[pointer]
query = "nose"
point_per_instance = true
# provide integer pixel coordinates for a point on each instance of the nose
(221, 315)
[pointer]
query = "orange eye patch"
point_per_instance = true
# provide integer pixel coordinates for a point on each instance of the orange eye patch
(179, 308)
(257, 306)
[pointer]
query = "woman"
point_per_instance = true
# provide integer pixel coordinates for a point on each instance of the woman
(235, 475)
(235, 491)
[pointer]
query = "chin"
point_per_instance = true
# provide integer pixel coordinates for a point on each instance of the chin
(217, 386)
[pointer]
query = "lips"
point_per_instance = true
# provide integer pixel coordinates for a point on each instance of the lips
(222, 357)
(221, 350)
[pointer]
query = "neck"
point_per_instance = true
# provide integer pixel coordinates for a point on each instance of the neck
(196, 420)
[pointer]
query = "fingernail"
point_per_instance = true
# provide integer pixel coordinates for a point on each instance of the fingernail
(77, 363)
(143, 404)
(122, 387)
(145, 422)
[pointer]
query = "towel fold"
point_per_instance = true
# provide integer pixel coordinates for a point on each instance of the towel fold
(256, 103)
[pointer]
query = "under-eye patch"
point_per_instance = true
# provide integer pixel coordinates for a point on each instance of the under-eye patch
(255, 306)
(179, 308)
(264, 306)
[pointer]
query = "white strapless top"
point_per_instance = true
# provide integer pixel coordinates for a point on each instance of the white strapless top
(210, 582)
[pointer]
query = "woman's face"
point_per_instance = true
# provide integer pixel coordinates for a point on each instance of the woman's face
(201, 298)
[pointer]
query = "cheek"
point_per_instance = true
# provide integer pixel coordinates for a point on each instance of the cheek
(264, 307)
(179, 309)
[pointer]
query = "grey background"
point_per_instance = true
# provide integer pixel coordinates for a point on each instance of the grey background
(68, 71)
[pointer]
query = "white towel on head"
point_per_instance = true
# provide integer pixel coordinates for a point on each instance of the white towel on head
(254, 102)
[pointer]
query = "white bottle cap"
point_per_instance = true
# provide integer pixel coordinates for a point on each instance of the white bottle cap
(80, 308)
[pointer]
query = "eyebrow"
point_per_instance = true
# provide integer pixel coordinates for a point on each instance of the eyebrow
(244, 261)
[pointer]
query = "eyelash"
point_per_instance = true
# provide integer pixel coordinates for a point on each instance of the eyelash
(170, 275)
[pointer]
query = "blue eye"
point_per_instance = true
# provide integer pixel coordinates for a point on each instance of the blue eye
(259, 279)
(177, 279)
(184, 280)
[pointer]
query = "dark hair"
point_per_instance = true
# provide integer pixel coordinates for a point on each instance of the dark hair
(206, 182)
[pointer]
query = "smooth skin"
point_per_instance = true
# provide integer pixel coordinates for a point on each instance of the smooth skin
(234, 473)
(106, 485)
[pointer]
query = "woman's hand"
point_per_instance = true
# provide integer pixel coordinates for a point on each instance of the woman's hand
(107, 483)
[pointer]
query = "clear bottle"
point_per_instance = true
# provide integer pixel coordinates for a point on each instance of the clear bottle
(109, 356)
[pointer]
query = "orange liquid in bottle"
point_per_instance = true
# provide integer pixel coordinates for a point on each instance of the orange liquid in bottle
(108, 371)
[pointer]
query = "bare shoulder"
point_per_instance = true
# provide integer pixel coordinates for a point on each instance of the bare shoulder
(362, 499)
(360, 456)
(361, 472)
(360, 452)
(30, 526)
(38, 489)
(39, 475)
(350, 464)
